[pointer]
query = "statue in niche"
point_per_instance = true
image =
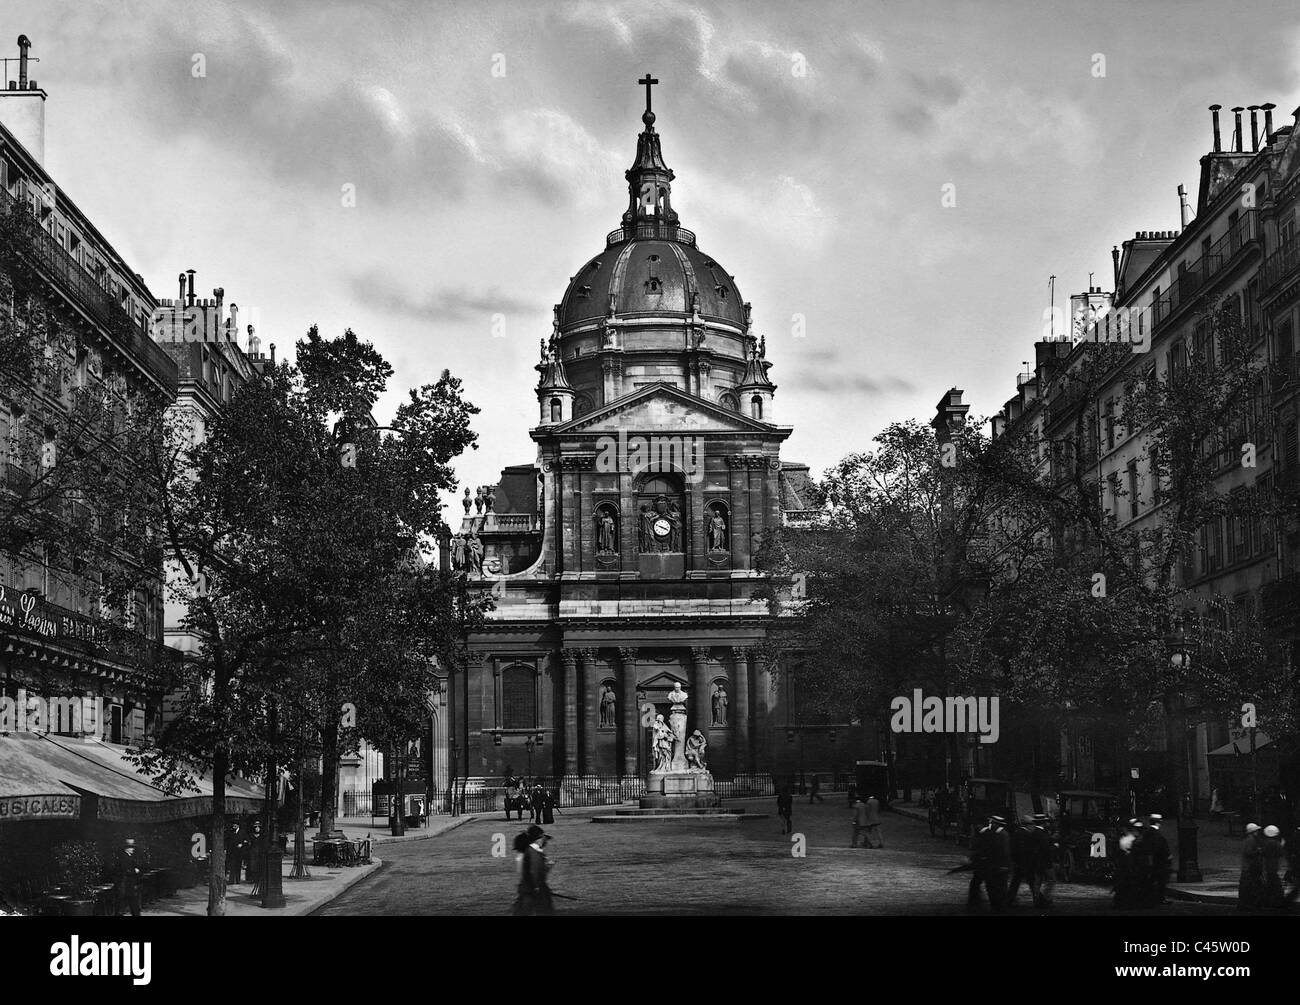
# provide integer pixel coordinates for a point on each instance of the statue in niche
(608, 707)
(605, 531)
(662, 743)
(458, 551)
(696, 746)
(717, 529)
(719, 706)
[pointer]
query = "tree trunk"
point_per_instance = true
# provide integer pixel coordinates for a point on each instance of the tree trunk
(329, 772)
(217, 858)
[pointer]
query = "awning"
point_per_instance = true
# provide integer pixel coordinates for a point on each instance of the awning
(1241, 745)
(102, 774)
(1232, 764)
(30, 787)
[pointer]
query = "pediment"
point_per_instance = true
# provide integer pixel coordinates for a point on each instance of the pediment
(662, 407)
(662, 681)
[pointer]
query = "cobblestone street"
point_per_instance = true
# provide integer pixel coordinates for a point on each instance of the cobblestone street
(706, 869)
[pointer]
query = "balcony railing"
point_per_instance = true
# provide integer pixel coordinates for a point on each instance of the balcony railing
(1192, 279)
(1283, 263)
(1284, 377)
(50, 258)
(645, 230)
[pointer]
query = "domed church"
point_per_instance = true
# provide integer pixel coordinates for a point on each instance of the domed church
(621, 561)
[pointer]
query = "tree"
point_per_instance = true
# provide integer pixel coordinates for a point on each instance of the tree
(894, 564)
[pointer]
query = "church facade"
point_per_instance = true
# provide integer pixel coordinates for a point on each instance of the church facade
(621, 562)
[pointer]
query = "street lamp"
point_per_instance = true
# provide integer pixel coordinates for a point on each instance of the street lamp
(1180, 660)
(530, 745)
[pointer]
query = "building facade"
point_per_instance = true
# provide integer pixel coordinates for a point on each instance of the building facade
(623, 561)
(1235, 251)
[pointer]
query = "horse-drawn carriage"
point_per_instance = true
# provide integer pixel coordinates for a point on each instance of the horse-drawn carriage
(518, 799)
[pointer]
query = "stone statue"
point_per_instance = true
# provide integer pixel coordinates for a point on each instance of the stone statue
(717, 532)
(695, 748)
(646, 531)
(675, 518)
(678, 695)
(466, 501)
(604, 532)
(458, 551)
(608, 707)
(720, 706)
(662, 744)
(475, 548)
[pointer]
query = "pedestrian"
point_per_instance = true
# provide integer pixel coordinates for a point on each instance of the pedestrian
(784, 809)
(1047, 850)
(256, 850)
(535, 803)
(1250, 884)
(1132, 866)
(859, 819)
(236, 847)
(1160, 860)
(534, 890)
(853, 795)
(815, 793)
(990, 857)
(1021, 867)
(548, 806)
(129, 868)
(872, 823)
(1271, 847)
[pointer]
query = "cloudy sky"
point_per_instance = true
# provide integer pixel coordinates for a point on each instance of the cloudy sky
(486, 143)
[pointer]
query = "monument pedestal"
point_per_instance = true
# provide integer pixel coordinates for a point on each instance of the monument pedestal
(679, 790)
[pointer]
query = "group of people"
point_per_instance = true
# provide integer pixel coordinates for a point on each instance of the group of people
(1002, 859)
(1261, 883)
(540, 802)
(1142, 865)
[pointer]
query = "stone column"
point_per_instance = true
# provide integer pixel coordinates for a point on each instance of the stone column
(701, 712)
(631, 714)
(570, 658)
(590, 713)
(740, 709)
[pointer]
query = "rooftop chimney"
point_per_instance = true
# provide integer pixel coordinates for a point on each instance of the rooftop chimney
(273, 354)
(1114, 258)
(1214, 114)
(1184, 210)
(1236, 132)
(1268, 120)
(22, 107)
(180, 294)
(189, 291)
(1254, 128)
(254, 343)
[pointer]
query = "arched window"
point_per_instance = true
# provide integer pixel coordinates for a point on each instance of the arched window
(519, 698)
(756, 403)
(555, 409)
(728, 401)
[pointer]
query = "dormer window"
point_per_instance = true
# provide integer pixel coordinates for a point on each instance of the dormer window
(652, 284)
(584, 292)
(721, 291)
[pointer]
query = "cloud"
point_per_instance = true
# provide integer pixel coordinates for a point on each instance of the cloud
(456, 303)
(842, 383)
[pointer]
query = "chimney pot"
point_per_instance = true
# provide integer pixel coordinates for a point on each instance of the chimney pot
(1268, 120)
(273, 354)
(1214, 115)
(180, 297)
(24, 43)
(1254, 128)
(1236, 132)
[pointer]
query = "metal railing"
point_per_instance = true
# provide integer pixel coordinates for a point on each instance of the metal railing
(1282, 263)
(651, 230)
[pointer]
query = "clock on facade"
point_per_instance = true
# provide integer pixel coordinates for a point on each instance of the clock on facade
(662, 527)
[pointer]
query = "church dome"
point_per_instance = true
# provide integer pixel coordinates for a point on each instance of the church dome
(652, 277)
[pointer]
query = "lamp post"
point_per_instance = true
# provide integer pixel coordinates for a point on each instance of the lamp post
(530, 745)
(1180, 659)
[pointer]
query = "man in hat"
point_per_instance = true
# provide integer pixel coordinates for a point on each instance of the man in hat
(1158, 848)
(1031, 859)
(1132, 866)
(236, 849)
(1250, 884)
(534, 893)
(990, 857)
(1271, 855)
(129, 868)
